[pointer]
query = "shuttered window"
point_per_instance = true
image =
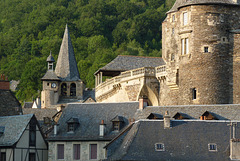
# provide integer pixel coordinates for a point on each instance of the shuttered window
(76, 151)
(93, 151)
(60, 151)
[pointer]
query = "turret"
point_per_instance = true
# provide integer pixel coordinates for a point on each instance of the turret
(50, 61)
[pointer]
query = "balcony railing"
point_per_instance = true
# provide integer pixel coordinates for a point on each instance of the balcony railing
(108, 85)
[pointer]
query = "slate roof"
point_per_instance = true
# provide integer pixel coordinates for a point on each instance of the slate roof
(182, 3)
(14, 128)
(66, 67)
(186, 140)
(89, 117)
(220, 112)
(50, 58)
(126, 62)
(40, 113)
(50, 75)
(9, 105)
(27, 104)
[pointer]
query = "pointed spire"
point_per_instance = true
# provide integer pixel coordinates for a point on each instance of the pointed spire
(66, 67)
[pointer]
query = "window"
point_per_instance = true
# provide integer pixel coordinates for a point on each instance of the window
(172, 57)
(70, 127)
(32, 134)
(116, 126)
(76, 151)
(93, 151)
(64, 89)
(185, 46)
(173, 31)
(194, 93)
(159, 147)
(212, 147)
(60, 151)
(50, 66)
(32, 157)
(73, 89)
(185, 18)
(173, 18)
(3, 156)
(206, 49)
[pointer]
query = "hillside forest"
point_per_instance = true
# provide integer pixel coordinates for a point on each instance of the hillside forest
(99, 29)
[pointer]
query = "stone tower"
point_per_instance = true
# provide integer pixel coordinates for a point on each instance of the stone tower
(201, 42)
(64, 84)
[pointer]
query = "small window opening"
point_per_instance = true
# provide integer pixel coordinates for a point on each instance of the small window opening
(194, 93)
(50, 66)
(173, 18)
(70, 127)
(206, 49)
(47, 84)
(173, 31)
(64, 89)
(159, 147)
(212, 147)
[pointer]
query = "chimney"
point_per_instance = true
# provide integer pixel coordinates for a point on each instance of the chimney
(55, 129)
(4, 83)
(143, 102)
(167, 121)
(102, 128)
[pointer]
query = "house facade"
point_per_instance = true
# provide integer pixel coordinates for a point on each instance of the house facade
(21, 139)
(85, 129)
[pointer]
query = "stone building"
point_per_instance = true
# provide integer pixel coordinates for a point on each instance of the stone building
(63, 84)
(85, 128)
(200, 54)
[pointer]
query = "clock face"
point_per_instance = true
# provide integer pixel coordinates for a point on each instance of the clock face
(54, 85)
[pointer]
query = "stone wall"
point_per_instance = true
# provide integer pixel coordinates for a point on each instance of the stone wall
(209, 72)
(84, 150)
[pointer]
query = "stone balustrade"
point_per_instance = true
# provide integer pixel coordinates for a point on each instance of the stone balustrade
(109, 84)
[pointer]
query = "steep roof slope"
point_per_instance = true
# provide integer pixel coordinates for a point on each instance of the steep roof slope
(66, 67)
(186, 140)
(14, 127)
(9, 105)
(181, 3)
(127, 62)
(89, 116)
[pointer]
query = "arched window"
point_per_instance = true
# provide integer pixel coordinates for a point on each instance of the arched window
(73, 89)
(64, 89)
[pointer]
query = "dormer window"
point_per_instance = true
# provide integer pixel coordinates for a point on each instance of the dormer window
(2, 129)
(155, 116)
(212, 147)
(73, 123)
(117, 122)
(208, 116)
(181, 116)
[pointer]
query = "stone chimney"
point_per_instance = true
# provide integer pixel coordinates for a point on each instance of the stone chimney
(142, 102)
(167, 121)
(4, 83)
(102, 128)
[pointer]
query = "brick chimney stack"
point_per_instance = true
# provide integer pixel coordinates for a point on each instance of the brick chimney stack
(143, 102)
(167, 121)
(4, 83)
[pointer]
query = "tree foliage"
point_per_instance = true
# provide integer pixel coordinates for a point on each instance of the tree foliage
(100, 30)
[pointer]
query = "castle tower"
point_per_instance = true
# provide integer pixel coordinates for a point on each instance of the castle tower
(50, 80)
(64, 84)
(198, 48)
